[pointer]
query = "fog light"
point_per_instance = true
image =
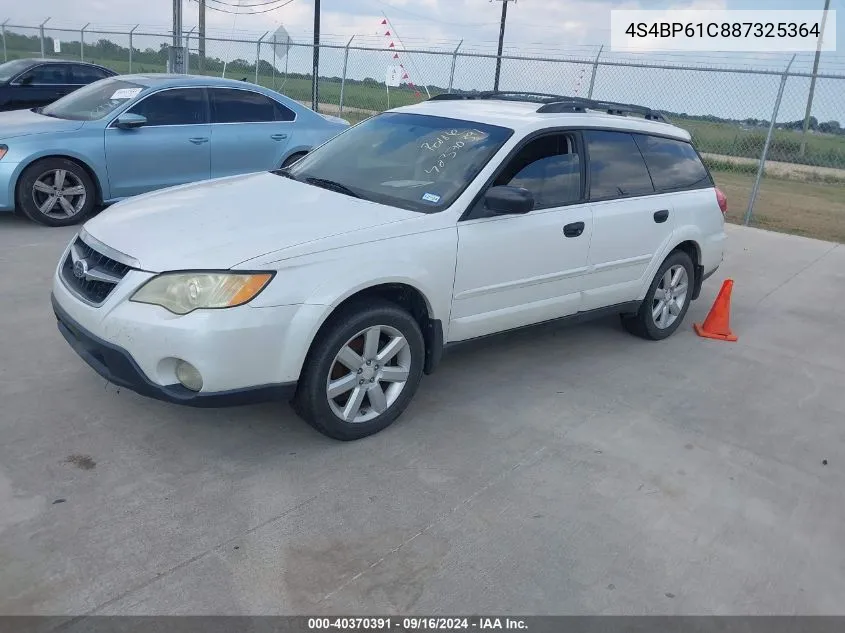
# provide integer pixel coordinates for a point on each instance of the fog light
(188, 375)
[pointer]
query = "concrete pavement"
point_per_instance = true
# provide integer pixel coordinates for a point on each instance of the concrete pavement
(571, 470)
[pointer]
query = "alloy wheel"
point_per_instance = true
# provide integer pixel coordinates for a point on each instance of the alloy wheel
(59, 193)
(368, 374)
(670, 296)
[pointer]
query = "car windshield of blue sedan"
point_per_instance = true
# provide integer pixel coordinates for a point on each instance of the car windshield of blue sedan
(12, 68)
(412, 161)
(93, 101)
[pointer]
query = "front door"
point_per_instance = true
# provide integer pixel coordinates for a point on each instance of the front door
(173, 148)
(250, 131)
(518, 270)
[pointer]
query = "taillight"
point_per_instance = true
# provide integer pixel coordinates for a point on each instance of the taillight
(722, 200)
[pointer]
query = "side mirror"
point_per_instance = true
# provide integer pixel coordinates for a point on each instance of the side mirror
(506, 200)
(27, 80)
(129, 121)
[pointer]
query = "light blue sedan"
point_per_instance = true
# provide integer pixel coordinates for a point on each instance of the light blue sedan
(130, 134)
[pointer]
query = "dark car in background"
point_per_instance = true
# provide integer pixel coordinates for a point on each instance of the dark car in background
(33, 83)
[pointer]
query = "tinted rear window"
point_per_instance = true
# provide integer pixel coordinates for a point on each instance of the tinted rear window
(246, 106)
(617, 168)
(673, 164)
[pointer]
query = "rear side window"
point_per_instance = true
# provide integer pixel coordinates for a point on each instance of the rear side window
(246, 106)
(673, 164)
(83, 75)
(617, 169)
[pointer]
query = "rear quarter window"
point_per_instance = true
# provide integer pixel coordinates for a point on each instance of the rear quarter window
(674, 165)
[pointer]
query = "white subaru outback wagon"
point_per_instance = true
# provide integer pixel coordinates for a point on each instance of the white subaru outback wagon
(338, 281)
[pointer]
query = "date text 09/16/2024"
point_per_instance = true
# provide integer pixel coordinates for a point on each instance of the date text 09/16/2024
(416, 624)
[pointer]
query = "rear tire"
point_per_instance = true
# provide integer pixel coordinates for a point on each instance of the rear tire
(667, 300)
(362, 370)
(55, 192)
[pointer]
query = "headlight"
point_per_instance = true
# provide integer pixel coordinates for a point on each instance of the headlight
(182, 293)
(3, 150)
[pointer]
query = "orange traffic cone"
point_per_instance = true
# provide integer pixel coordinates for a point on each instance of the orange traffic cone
(717, 325)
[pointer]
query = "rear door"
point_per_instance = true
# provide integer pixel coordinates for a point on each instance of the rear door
(631, 221)
(173, 148)
(250, 131)
(83, 74)
(39, 86)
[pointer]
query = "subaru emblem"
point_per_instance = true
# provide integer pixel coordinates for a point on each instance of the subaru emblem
(80, 268)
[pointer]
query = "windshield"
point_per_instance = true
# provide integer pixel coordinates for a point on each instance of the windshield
(93, 101)
(412, 161)
(12, 68)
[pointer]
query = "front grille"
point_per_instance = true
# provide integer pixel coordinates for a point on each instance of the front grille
(100, 275)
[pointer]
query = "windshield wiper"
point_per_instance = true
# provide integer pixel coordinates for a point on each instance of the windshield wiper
(333, 186)
(284, 172)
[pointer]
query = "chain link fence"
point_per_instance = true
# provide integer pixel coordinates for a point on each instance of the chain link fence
(749, 125)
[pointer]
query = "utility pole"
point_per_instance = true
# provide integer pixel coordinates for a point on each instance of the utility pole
(501, 42)
(315, 80)
(813, 81)
(201, 33)
(177, 53)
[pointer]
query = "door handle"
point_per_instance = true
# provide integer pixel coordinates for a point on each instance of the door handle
(197, 140)
(661, 216)
(278, 137)
(573, 230)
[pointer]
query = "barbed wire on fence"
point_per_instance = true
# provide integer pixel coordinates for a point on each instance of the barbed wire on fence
(729, 111)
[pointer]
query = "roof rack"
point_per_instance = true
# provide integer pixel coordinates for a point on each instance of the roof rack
(536, 97)
(558, 103)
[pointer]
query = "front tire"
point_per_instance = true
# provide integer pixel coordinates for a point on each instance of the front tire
(667, 300)
(362, 370)
(55, 192)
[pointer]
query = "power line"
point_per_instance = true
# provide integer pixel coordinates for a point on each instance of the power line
(263, 3)
(430, 19)
(251, 12)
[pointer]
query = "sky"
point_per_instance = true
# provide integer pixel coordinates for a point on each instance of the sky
(574, 28)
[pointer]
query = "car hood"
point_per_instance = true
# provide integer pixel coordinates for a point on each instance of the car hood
(220, 223)
(26, 122)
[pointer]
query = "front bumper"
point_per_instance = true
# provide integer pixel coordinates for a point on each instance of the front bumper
(117, 365)
(8, 175)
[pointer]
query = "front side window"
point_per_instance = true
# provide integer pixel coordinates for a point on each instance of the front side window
(179, 106)
(45, 75)
(94, 101)
(673, 164)
(12, 68)
(617, 169)
(548, 167)
(412, 161)
(245, 106)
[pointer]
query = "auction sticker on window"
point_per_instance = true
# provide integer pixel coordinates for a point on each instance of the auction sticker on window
(713, 30)
(125, 93)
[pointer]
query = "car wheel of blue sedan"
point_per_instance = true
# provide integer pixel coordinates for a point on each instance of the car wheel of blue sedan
(56, 192)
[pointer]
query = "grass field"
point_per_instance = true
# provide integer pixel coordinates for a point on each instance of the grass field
(811, 209)
(823, 150)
